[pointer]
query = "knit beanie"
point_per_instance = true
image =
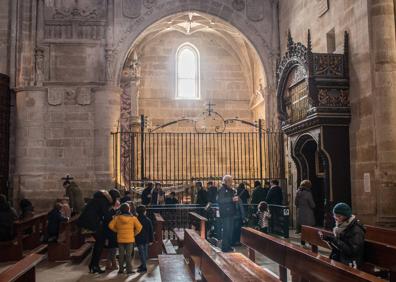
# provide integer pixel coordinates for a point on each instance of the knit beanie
(342, 209)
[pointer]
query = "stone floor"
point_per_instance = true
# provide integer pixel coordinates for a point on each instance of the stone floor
(68, 272)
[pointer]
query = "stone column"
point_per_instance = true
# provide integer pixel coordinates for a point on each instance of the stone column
(107, 115)
(384, 72)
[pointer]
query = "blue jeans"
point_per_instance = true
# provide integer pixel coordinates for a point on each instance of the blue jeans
(228, 229)
(143, 253)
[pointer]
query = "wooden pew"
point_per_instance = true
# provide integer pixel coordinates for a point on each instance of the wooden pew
(375, 253)
(22, 271)
(381, 234)
(303, 264)
(70, 244)
(197, 222)
(156, 248)
(25, 243)
(217, 266)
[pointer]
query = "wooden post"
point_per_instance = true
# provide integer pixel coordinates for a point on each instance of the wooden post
(282, 273)
(252, 254)
(203, 229)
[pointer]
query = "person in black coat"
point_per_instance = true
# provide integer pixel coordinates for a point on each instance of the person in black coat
(212, 193)
(111, 237)
(243, 193)
(347, 244)
(127, 197)
(146, 194)
(171, 199)
(227, 208)
(7, 217)
(144, 238)
(275, 194)
(202, 194)
(259, 193)
(55, 218)
(92, 219)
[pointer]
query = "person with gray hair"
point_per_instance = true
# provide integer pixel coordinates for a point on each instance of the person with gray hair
(227, 208)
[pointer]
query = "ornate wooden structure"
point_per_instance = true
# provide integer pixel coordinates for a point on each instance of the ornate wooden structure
(313, 105)
(4, 132)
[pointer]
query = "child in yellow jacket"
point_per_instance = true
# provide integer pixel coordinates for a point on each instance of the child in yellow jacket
(127, 227)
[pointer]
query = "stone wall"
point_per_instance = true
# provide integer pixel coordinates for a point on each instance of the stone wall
(368, 156)
(222, 80)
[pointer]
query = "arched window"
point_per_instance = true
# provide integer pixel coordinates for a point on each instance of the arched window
(187, 72)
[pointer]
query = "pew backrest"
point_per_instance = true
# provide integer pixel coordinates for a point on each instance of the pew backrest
(23, 270)
(199, 223)
(381, 234)
(305, 263)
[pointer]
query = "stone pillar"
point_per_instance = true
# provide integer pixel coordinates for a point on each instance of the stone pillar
(4, 133)
(384, 72)
(107, 115)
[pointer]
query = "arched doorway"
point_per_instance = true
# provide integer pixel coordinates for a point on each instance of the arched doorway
(312, 164)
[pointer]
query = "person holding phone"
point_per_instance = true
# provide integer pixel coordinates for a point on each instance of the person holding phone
(347, 244)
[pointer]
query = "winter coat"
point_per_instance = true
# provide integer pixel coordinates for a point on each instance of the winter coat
(202, 197)
(259, 195)
(146, 236)
(55, 218)
(7, 218)
(110, 235)
(146, 196)
(305, 207)
(126, 226)
(275, 196)
(227, 207)
(76, 199)
(92, 215)
(157, 197)
(243, 194)
(171, 201)
(349, 246)
(212, 194)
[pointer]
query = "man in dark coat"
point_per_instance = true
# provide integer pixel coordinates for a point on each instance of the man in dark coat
(144, 238)
(7, 217)
(92, 218)
(73, 192)
(275, 194)
(55, 218)
(127, 197)
(202, 194)
(305, 205)
(259, 193)
(347, 244)
(227, 208)
(146, 194)
(212, 192)
(171, 199)
(243, 193)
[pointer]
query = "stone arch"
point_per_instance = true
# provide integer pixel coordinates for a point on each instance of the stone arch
(260, 43)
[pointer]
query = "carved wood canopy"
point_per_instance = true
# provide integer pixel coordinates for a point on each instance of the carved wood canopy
(312, 88)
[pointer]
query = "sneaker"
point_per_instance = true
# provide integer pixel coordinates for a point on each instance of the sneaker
(131, 272)
(140, 270)
(120, 271)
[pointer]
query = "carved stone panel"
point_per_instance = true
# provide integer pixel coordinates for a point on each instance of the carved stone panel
(84, 96)
(238, 5)
(55, 96)
(131, 8)
(69, 97)
(255, 10)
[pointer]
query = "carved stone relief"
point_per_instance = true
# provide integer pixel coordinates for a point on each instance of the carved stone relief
(238, 5)
(149, 3)
(39, 59)
(69, 97)
(84, 96)
(131, 8)
(55, 96)
(255, 10)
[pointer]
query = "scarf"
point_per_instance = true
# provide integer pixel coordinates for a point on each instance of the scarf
(340, 227)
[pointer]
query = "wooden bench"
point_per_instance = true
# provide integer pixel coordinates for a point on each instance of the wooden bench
(70, 244)
(375, 253)
(28, 234)
(155, 249)
(381, 235)
(197, 222)
(217, 266)
(22, 271)
(173, 268)
(304, 265)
